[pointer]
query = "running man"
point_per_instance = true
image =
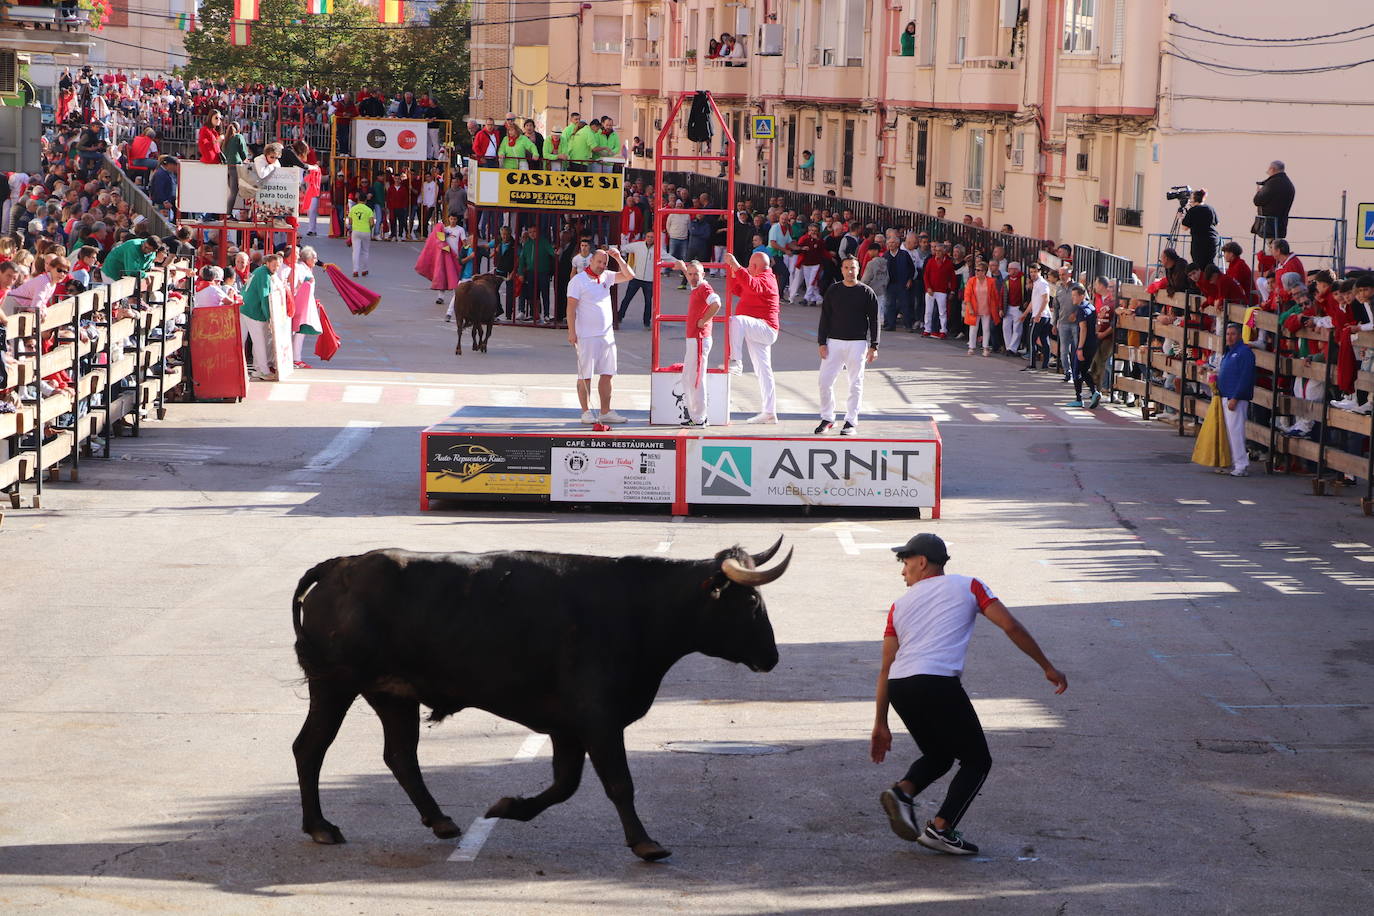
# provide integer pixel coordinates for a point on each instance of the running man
(928, 630)
(848, 339)
(755, 323)
(591, 331)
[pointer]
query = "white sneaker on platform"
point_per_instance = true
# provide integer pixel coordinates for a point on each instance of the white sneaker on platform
(588, 417)
(736, 367)
(611, 416)
(762, 418)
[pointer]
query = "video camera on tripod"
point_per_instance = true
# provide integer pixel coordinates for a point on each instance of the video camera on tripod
(1181, 193)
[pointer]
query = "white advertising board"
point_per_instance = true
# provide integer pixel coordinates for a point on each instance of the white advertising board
(281, 190)
(204, 188)
(279, 334)
(668, 406)
(389, 138)
(810, 472)
(614, 471)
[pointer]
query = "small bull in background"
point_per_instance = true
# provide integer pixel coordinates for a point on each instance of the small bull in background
(477, 304)
(574, 647)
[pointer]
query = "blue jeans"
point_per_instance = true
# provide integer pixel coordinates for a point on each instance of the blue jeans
(898, 299)
(1068, 350)
(638, 286)
(678, 248)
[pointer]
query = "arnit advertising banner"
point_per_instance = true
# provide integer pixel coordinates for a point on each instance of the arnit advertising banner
(806, 472)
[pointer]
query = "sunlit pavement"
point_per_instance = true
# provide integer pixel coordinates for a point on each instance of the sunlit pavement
(1212, 753)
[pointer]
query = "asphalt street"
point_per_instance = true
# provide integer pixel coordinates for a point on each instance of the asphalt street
(1213, 752)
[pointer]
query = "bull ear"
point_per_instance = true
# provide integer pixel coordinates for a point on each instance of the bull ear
(737, 573)
(762, 558)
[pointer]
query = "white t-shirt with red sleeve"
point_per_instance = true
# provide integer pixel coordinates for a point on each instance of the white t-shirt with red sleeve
(933, 622)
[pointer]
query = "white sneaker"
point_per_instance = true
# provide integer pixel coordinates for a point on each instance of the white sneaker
(611, 416)
(1364, 408)
(588, 417)
(762, 418)
(736, 367)
(1346, 404)
(900, 813)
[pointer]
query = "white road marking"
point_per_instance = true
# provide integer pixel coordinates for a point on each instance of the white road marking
(362, 394)
(475, 837)
(1074, 415)
(989, 413)
(570, 400)
(844, 533)
(345, 443)
(288, 393)
(434, 397)
(508, 397)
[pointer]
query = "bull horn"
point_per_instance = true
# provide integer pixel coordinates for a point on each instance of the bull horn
(753, 577)
(762, 558)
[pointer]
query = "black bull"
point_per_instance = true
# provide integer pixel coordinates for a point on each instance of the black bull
(571, 646)
(476, 303)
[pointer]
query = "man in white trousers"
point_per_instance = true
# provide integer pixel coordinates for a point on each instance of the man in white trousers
(1236, 383)
(848, 339)
(703, 305)
(755, 324)
(591, 329)
(360, 222)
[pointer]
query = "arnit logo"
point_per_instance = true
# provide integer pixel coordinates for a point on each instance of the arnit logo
(727, 470)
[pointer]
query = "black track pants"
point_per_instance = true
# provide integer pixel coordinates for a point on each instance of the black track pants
(941, 718)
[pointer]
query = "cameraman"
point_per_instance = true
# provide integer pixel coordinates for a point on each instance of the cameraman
(1201, 222)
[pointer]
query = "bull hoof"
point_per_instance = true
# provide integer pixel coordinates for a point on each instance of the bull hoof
(509, 808)
(325, 833)
(444, 827)
(650, 851)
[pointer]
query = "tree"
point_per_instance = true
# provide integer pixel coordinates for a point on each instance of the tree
(345, 50)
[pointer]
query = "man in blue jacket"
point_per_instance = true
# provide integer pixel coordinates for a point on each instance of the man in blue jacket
(163, 188)
(1236, 383)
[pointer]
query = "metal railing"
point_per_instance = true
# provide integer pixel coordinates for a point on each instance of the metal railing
(138, 201)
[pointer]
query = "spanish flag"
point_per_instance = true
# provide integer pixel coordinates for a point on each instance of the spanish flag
(239, 33)
(319, 7)
(391, 12)
(245, 10)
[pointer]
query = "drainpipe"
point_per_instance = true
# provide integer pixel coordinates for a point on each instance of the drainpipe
(1044, 119)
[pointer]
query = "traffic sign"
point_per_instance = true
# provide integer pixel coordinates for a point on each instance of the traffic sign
(765, 127)
(1364, 226)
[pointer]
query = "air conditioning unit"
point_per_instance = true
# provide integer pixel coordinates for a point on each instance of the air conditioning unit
(1081, 162)
(1018, 158)
(770, 40)
(9, 72)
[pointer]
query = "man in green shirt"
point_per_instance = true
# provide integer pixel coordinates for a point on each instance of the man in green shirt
(131, 258)
(361, 221)
(257, 310)
(580, 147)
(574, 125)
(555, 153)
(515, 149)
(605, 145)
(536, 270)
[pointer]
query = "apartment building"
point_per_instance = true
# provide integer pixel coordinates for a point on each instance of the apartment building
(1067, 119)
(546, 60)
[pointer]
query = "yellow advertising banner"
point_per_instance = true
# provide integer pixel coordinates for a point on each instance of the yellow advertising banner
(492, 484)
(544, 190)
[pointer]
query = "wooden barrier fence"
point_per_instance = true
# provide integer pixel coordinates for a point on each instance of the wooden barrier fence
(1343, 437)
(111, 389)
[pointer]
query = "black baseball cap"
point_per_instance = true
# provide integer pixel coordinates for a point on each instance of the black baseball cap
(927, 545)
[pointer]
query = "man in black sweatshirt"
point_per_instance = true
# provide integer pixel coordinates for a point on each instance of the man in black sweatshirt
(848, 338)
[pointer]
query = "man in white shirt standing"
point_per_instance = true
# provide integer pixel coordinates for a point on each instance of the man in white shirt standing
(1039, 320)
(927, 637)
(591, 331)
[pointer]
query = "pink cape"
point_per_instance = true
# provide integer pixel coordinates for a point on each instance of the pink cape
(447, 274)
(429, 254)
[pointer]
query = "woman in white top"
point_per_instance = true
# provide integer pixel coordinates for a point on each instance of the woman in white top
(429, 199)
(215, 292)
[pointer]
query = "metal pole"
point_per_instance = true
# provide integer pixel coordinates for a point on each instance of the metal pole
(1326, 414)
(1182, 384)
(109, 368)
(1149, 359)
(78, 347)
(1275, 395)
(38, 406)
(140, 333)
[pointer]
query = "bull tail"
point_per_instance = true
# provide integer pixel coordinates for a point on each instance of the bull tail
(308, 581)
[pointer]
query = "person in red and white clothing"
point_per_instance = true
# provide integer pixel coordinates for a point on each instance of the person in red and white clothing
(924, 646)
(703, 304)
(591, 330)
(755, 323)
(938, 278)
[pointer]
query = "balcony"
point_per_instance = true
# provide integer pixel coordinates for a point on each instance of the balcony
(973, 197)
(1101, 213)
(726, 77)
(45, 27)
(807, 175)
(642, 68)
(1128, 218)
(828, 177)
(944, 190)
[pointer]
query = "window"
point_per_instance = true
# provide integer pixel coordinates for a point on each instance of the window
(794, 32)
(922, 152)
(847, 174)
(839, 38)
(925, 33)
(1118, 32)
(977, 148)
(791, 144)
(960, 31)
(854, 15)
(1080, 26)
(606, 34)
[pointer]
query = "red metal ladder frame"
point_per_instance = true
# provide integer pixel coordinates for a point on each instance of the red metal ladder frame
(661, 212)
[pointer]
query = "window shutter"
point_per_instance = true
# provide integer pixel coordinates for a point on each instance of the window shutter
(1118, 31)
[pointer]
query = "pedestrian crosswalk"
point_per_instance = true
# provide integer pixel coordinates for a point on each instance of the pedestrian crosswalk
(1025, 412)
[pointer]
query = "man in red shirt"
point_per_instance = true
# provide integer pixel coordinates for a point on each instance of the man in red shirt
(938, 275)
(703, 305)
(810, 250)
(1285, 263)
(755, 324)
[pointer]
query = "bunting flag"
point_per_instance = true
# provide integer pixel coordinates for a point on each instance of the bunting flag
(245, 10)
(319, 7)
(187, 22)
(391, 12)
(240, 33)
